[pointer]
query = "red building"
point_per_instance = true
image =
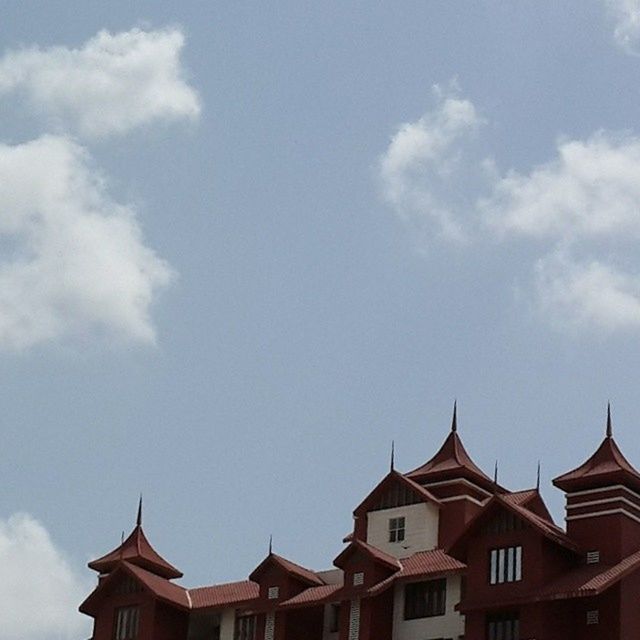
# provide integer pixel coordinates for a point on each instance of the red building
(442, 552)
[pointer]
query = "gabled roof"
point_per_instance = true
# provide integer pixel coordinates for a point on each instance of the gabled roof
(222, 595)
(394, 477)
(137, 550)
(291, 568)
(377, 556)
(532, 500)
(544, 527)
(606, 466)
(451, 461)
(160, 587)
(313, 596)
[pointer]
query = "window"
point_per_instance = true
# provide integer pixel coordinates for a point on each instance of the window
(396, 529)
(593, 616)
(273, 593)
(358, 579)
(425, 599)
(593, 557)
(503, 626)
(334, 618)
(245, 628)
(505, 565)
(126, 623)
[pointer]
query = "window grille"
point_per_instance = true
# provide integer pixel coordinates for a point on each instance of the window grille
(354, 620)
(358, 579)
(425, 599)
(126, 623)
(396, 529)
(503, 626)
(593, 557)
(505, 565)
(245, 628)
(593, 617)
(273, 593)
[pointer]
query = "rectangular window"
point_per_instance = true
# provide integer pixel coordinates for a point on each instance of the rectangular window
(396, 529)
(334, 619)
(425, 599)
(505, 565)
(503, 626)
(126, 623)
(245, 628)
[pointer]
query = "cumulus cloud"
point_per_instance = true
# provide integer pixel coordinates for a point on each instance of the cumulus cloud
(626, 17)
(74, 259)
(110, 85)
(419, 167)
(584, 201)
(39, 590)
(588, 295)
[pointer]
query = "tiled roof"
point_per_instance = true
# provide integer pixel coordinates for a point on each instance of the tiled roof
(607, 462)
(161, 587)
(313, 595)
(450, 461)
(301, 573)
(378, 555)
(219, 595)
(520, 497)
(419, 565)
(137, 550)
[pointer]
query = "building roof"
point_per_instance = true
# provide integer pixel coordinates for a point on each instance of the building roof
(221, 595)
(377, 555)
(531, 500)
(295, 570)
(542, 525)
(606, 466)
(137, 550)
(312, 596)
(451, 461)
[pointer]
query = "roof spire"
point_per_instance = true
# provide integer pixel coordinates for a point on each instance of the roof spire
(609, 427)
(121, 547)
(139, 516)
(454, 419)
(495, 473)
(393, 452)
(538, 478)
(271, 544)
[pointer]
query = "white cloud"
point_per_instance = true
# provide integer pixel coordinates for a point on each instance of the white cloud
(112, 84)
(39, 590)
(586, 296)
(591, 189)
(626, 17)
(75, 262)
(421, 162)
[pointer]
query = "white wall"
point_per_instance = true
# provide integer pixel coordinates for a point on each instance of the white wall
(450, 625)
(421, 529)
(326, 635)
(227, 624)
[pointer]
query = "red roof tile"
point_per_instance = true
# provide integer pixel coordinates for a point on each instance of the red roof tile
(221, 595)
(606, 465)
(137, 550)
(313, 596)
(373, 552)
(301, 573)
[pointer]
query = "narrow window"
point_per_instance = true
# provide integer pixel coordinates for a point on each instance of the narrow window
(505, 565)
(126, 623)
(425, 599)
(503, 626)
(245, 628)
(334, 619)
(396, 529)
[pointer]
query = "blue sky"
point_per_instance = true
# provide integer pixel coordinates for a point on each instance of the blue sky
(244, 245)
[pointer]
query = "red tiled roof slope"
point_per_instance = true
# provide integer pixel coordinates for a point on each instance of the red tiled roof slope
(219, 595)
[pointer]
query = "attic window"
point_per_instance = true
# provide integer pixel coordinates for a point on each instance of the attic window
(273, 593)
(126, 623)
(593, 557)
(593, 616)
(396, 529)
(505, 565)
(358, 578)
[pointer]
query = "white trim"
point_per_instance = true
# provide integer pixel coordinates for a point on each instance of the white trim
(603, 513)
(455, 481)
(612, 487)
(464, 496)
(579, 505)
(188, 598)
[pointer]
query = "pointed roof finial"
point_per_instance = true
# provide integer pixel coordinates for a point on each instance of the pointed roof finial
(121, 554)
(393, 452)
(270, 544)
(139, 516)
(454, 419)
(495, 473)
(538, 478)
(609, 427)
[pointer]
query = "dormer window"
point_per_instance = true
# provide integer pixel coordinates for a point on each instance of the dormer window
(396, 529)
(505, 565)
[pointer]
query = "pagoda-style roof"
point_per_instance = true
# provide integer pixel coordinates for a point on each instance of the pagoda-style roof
(300, 573)
(607, 466)
(451, 461)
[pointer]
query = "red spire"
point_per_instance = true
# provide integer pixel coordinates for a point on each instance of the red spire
(137, 550)
(606, 466)
(451, 461)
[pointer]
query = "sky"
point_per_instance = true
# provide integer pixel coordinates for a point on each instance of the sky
(246, 245)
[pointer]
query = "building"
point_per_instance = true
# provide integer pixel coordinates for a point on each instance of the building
(442, 552)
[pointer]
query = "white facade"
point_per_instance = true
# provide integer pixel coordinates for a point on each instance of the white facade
(450, 625)
(421, 529)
